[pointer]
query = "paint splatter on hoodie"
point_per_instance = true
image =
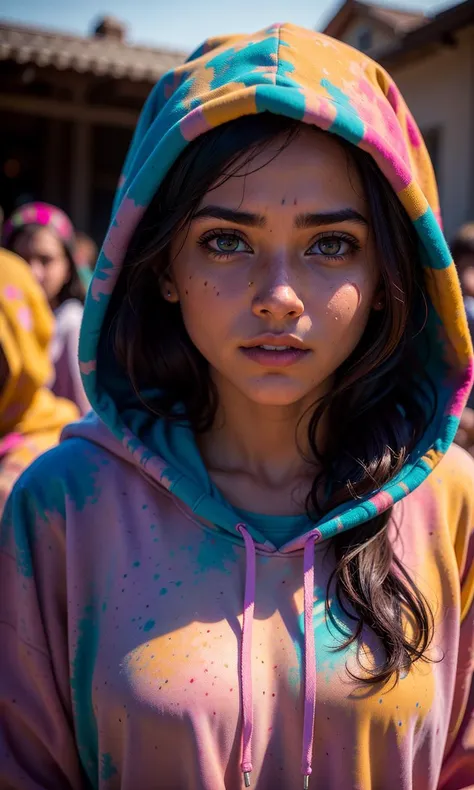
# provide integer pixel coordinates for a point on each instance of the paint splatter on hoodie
(31, 417)
(149, 640)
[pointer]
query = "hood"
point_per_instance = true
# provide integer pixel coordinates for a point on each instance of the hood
(26, 327)
(307, 76)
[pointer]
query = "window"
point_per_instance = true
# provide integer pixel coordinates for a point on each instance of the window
(364, 39)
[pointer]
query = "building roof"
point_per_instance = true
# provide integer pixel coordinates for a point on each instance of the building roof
(397, 20)
(98, 55)
(440, 29)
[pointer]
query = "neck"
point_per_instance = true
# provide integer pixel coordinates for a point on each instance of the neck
(267, 443)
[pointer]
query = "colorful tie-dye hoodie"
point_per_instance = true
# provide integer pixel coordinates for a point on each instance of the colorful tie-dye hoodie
(152, 640)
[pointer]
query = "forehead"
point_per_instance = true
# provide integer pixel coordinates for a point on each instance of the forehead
(314, 171)
(40, 241)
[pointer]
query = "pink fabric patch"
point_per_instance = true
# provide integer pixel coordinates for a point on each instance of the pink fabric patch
(9, 442)
(382, 501)
(318, 111)
(88, 367)
(12, 292)
(393, 168)
(393, 97)
(115, 246)
(456, 407)
(194, 124)
(24, 318)
(43, 215)
(413, 132)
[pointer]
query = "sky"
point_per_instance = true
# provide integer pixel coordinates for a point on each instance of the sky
(183, 24)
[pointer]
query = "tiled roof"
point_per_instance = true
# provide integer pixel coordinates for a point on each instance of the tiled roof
(400, 22)
(95, 55)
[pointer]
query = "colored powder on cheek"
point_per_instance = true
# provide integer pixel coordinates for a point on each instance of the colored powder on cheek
(163, 591)
(136, 564)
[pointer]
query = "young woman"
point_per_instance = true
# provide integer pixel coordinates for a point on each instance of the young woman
(44, 237)
(31, 417)
(254, 565)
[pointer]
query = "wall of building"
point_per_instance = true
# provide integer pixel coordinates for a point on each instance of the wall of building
(379, 35)
(439, 89)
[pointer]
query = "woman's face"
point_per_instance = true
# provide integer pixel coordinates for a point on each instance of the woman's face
(276, 275)
(45, 253)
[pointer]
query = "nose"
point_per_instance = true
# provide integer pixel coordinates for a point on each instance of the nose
(277, 298)
(37, 269)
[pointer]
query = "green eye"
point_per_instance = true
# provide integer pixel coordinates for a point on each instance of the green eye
(330, 246)
(227, 243)
(333, 246)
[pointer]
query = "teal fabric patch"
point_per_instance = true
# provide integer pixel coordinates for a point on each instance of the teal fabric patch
(431, 235)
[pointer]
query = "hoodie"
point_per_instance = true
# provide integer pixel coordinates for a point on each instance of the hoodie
(31, 417)
(152, 636)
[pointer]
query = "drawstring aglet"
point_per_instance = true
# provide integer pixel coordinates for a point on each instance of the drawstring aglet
(247, 778)
(306, 782)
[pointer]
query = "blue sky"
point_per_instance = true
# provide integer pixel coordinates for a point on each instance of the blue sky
(182, 23)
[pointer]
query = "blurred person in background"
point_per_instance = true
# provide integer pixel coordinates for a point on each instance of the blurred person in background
(44, 237)
(462, 249)
(85, 255)
(31, 416)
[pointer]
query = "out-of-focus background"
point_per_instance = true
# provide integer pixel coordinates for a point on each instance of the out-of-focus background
(73, 78)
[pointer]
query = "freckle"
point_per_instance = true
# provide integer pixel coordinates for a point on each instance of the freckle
(283, 202)
(205, 284)
(295, 202)
(187, 293)
(192, 680)
(217, 294)
(190, 276)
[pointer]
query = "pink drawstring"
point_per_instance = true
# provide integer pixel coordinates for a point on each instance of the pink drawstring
(309, 656)
(246, 654)
(309, 660)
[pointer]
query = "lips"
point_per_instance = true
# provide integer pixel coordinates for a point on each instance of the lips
(276, 352)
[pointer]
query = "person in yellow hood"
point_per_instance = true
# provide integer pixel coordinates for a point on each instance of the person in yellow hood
(31, 417)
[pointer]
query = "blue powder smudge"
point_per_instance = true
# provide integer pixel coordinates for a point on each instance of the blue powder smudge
(163, 591)
(148, 625)
(107, 767)
(81, 684)
(136, 564)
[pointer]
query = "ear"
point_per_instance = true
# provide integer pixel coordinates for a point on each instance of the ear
(168, 289)
(378, 303)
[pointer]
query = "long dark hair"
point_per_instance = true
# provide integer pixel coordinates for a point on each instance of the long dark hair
(377, 409)
(73, 287)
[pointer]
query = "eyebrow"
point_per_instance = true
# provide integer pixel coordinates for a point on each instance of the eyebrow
(302, 221)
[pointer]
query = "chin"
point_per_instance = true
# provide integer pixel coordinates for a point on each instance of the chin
(274, 394)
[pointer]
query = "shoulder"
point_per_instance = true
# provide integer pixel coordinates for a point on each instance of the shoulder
(454, 475)
(68, 471)
(452, 489)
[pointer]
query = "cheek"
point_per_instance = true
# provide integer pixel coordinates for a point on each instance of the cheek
(347, 303)
(205, 309)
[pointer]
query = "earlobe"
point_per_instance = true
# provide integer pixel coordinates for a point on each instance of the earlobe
(168, 291)
(379, 302)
